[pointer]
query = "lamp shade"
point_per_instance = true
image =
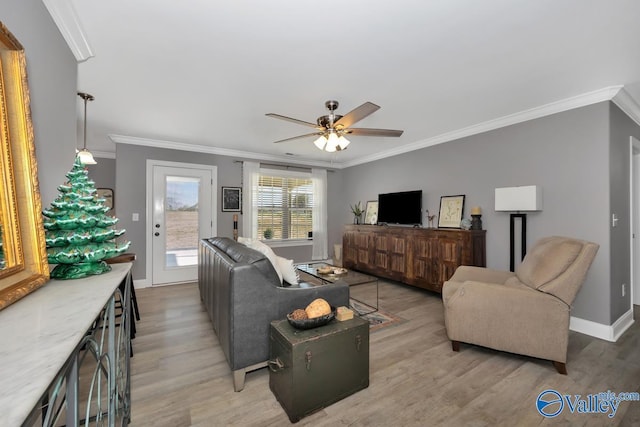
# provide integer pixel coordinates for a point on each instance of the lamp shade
(320, 142)
(343, 142)
(523, 198)
(86, 158)
(332, 142)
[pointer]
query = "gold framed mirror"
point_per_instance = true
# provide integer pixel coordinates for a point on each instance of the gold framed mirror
(23, 259)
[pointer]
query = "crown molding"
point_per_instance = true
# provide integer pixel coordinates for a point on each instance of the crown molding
(605, 94)
(66, 18)
(627, 104)
(616, 94)
(170, 145)
(103, 154)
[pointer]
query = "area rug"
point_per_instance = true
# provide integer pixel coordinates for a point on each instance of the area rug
(378, 319)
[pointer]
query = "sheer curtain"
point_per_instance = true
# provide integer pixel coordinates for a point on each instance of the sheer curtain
(250, 176)
(320, 246)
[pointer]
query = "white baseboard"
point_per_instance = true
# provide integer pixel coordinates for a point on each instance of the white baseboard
(144, 283)
(141, 283)
(598, 330)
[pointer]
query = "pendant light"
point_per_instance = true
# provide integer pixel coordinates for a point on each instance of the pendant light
(85, 156)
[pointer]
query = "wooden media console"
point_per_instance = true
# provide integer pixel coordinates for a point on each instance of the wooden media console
(421, 257)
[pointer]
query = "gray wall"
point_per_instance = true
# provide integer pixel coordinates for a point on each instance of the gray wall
(130, 196)
(103, 173)
(566, 153)
(52, 74)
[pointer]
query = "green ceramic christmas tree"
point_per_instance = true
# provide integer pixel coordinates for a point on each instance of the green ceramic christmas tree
(79, 234)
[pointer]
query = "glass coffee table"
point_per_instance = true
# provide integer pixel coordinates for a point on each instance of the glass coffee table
(351, 277)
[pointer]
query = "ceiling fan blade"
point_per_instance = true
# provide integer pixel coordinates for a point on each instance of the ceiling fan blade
(290, 119)
(357, 114)
(298, 137)
(373, 132)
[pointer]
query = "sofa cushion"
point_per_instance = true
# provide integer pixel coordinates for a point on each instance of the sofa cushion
(240, 253)
(547, 260)
(222, 243)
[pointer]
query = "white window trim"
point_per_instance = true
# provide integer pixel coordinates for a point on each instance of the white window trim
(287, 243)
(249, 221)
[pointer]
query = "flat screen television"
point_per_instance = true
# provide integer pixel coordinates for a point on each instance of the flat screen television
(400, 208)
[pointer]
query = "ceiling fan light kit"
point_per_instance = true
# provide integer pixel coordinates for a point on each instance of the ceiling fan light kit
(332, 142)
(332, 127)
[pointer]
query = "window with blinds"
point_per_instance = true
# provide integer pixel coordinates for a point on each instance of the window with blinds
(285, 206)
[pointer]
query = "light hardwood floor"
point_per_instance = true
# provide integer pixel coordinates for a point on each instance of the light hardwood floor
(179, 375)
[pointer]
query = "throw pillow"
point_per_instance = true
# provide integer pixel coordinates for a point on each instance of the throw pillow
(265, 250)
(288, 270)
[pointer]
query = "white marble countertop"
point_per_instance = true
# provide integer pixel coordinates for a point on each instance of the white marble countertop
(39, 332)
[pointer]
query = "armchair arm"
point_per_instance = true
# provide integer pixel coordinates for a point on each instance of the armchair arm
(480, 274)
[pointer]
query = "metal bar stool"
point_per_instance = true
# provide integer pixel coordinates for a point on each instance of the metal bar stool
(128, 257)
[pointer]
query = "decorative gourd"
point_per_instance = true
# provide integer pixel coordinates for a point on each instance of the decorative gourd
(318, 307)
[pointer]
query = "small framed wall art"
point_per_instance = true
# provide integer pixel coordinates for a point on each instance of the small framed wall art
(107, 195)
(231, 199)
(451, 208)
(371, 214)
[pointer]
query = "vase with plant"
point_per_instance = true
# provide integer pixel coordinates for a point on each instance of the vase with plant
(357, 212)
(268, 233)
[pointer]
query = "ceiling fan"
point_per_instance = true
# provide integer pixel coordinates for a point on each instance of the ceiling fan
(332, 128)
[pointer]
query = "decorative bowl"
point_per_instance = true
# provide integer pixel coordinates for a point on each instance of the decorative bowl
(324, 270)
(312, 323)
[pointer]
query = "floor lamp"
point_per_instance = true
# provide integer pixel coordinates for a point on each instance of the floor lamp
(518, 201)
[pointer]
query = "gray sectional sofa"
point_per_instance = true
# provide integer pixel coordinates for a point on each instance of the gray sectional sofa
(242, 294)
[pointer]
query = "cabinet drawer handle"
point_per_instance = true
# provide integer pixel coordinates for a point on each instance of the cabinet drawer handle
(358, 342)
(276, 365)
(307, 357)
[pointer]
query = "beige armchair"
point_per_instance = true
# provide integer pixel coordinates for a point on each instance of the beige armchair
(526, 312)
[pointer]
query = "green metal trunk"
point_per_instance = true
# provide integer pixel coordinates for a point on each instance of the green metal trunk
(311, 369)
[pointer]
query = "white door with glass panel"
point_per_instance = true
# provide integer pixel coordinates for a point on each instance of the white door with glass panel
(183, 202)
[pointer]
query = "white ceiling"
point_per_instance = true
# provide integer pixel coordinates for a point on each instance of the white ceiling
(204, 73)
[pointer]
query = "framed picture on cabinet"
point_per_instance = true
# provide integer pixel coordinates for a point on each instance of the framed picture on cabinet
(107, 195)
(451, 208)
(371, 213)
